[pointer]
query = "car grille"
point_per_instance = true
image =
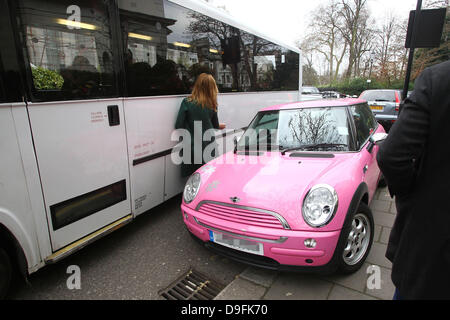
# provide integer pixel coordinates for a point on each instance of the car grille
(244, 215)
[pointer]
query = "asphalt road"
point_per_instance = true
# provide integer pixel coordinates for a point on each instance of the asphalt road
(134, 262)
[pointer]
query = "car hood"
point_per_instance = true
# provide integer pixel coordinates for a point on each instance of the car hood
(270, 181)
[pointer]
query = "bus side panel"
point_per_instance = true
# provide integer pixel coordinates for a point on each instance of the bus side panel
(150, 123)
(16, 212)
(173, 181)
(236, 110)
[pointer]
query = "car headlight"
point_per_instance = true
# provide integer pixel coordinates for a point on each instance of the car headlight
(320, 205)
(191, 188)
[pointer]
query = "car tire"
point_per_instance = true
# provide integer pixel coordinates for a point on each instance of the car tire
(357, 240)
(5, 273)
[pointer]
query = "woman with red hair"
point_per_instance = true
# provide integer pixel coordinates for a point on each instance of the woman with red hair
(200, 107)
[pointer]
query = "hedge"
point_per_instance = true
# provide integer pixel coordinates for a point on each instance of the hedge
(357, 85)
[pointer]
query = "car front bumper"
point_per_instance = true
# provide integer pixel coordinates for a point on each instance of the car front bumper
(282, 249)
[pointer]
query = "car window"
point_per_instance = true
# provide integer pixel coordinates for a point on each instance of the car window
(326, 127)
(365, 122)
(378, 96)
(268, 121)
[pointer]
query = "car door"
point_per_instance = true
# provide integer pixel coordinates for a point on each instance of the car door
(365, 126)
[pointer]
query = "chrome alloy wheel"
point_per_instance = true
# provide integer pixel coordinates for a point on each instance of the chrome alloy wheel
(358, 240)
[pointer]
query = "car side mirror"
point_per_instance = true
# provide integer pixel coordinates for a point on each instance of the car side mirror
(376, 138)
(235, 141)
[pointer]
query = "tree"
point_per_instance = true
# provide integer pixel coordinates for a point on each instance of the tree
(325, 37)
(204, 27)
(389, 49)
(354, 30)
(215, 31)
(253, 46)
(309, 73)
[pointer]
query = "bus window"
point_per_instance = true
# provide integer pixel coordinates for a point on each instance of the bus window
(166, 46)
(2, 87)
(10, 83)
(157, 61)
(69, 48)
(265, 67)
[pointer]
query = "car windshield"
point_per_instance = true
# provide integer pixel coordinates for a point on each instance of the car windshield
(378, 96)
(310, 90)
(312, 129)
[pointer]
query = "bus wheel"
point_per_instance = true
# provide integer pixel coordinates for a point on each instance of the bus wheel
(5, 273)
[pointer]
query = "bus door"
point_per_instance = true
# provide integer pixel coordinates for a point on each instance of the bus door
(76, 117)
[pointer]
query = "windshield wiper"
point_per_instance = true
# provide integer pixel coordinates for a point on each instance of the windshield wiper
(383, 100)
(314, 145)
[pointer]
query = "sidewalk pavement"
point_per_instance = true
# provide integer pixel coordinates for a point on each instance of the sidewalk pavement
(256, 283)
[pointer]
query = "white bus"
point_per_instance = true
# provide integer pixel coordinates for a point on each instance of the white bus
(89, 94)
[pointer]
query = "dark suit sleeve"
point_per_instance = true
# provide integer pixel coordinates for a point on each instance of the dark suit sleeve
(400, 154)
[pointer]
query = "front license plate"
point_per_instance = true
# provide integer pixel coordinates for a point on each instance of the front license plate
(376, 107)
(235, 243)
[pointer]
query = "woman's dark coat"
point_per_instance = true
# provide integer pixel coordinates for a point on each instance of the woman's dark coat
(189, 113)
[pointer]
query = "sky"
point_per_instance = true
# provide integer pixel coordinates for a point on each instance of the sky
(286, 20)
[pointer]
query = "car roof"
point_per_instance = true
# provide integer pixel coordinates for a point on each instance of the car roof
(320, 103)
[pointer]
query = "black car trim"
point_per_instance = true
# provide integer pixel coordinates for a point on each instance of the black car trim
(311, 155)
(238, 235)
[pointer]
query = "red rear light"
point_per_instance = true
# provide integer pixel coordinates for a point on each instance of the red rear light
(397, 101)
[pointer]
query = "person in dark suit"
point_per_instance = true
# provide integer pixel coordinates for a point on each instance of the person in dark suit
(415, 161)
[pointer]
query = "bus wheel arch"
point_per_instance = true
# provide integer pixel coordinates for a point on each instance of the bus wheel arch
(11, 256)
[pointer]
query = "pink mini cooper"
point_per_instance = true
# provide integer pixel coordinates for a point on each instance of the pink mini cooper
(295, 192)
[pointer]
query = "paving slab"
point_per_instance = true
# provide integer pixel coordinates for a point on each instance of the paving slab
(356, 281)
(294, 286)
(380, 205)
(383, 195)
(241, 289)
(377, 233)
(385, 233)
(393, 208)
(383, 219)
(342, 293)
(377, 255)
(260, 276)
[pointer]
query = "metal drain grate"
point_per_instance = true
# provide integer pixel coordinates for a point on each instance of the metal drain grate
(192, 286)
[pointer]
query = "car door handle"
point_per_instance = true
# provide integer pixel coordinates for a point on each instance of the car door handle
(366, 167)
(113, 115)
